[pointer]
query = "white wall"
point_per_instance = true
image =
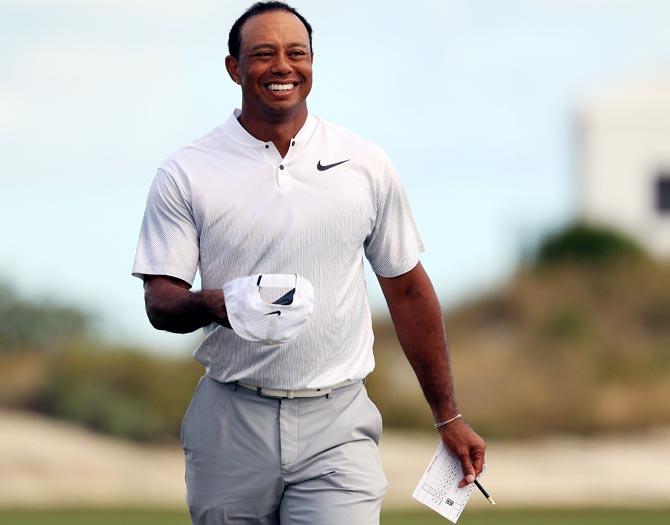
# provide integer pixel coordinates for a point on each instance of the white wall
(625, 145)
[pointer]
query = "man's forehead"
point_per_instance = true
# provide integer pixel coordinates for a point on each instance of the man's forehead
(273, 25)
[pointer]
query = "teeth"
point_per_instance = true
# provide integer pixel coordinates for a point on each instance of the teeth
(280, 87)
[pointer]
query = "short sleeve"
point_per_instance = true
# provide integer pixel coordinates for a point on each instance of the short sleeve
(168, 243)
(394, 245)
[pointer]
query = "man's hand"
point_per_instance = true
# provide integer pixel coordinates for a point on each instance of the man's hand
(468, 447)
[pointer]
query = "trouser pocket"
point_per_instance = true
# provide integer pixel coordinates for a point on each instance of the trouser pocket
(189, 409)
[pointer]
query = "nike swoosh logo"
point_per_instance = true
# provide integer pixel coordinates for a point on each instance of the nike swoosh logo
(321, 167)
(275, 312)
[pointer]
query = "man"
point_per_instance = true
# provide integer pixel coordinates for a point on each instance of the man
(283, 432)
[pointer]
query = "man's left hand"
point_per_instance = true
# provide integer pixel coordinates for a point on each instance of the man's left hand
(468, 447)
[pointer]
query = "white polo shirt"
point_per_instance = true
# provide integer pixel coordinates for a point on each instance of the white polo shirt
(229, 205)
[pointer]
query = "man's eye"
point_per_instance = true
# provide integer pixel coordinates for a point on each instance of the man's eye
(263, 54)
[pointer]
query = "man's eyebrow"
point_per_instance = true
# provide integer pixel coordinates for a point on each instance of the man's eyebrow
(273, 46)
(261, 46)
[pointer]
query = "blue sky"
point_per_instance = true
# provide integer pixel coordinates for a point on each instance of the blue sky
(473, 100)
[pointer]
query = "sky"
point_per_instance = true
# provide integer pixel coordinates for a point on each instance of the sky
(475, 102)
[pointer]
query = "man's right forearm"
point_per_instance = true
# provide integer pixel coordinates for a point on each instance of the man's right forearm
(176, 309)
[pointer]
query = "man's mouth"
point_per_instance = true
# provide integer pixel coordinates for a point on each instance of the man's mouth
(276, 87)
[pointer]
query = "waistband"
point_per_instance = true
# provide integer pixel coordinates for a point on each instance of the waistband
(290, 394)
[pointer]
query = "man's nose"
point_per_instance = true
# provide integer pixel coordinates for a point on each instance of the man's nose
(281, 65)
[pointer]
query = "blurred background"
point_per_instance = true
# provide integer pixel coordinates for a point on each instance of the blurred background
(533, 138)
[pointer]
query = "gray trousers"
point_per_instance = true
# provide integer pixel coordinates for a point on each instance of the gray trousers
(256, 460)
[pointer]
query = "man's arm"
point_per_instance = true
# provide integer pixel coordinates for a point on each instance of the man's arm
(417, 318)
(171, 306)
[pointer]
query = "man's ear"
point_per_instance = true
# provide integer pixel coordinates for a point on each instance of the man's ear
(233, 68)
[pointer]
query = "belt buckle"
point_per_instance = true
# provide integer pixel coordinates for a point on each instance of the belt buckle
(325, 391)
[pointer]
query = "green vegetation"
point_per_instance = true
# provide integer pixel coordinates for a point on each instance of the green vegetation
(564, 347)
(469, 517)
(94, 516)
(41, 326)
(567, 348)
(121, 392)
(584, 243)
(535, 517)
(52, 363)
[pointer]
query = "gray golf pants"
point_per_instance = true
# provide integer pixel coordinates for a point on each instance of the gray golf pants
(256, 460)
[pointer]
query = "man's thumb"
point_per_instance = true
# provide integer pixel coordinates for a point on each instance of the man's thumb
(468, 471)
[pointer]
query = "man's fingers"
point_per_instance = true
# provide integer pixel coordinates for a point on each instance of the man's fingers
(468, 470)
(477, 457)
(468, 447)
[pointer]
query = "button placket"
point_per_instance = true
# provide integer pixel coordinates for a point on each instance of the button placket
(279, 165)
(283, 177)
(284, 181)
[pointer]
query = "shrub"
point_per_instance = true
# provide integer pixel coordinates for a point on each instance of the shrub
(583, 243)
(122, 392)
(38, 325)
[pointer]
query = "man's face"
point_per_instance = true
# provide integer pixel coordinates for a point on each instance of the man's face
(275, 64)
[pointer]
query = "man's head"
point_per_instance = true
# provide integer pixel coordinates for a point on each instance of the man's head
(271, 58)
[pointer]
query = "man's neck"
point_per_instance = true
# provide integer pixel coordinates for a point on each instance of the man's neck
(278, 129)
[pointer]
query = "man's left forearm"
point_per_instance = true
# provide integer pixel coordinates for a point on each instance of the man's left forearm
(417, 318)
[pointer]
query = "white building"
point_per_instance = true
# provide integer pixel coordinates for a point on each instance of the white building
(624, 161)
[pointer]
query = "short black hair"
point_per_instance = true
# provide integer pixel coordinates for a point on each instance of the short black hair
(234, 38)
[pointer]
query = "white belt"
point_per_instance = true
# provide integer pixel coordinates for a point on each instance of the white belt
(290, 394)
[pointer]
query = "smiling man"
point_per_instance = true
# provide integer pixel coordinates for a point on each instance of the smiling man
(278, 201)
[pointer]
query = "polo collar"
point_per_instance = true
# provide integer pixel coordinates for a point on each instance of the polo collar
(234, 129)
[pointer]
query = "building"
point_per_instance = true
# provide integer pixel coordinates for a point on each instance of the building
(624, 161)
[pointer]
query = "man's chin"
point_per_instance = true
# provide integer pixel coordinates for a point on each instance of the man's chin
(283, 109)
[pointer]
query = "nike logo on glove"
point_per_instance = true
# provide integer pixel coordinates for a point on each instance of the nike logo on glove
(321, 167)
(275, 312)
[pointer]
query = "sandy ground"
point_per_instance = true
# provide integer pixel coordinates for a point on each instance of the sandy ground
(51, 463)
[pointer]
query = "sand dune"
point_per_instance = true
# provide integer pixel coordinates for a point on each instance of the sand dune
(50, 463)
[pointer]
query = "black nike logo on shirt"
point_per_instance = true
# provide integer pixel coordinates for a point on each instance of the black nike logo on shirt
(321, 167)
(275, 312)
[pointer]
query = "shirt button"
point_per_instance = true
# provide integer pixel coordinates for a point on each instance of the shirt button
(267, 146)
(281, 166)
(293, 143)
